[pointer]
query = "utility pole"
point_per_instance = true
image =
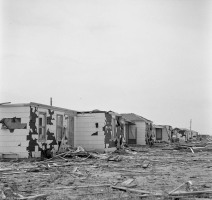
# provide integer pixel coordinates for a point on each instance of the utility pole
(190, 128)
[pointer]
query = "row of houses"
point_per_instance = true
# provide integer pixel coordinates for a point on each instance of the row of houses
(30, 128)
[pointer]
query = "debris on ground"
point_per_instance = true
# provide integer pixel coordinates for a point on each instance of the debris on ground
(166, 171)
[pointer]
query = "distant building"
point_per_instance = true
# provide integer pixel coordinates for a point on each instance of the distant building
(205, 138)
(162, 133)
(139, 132)
(184, 134)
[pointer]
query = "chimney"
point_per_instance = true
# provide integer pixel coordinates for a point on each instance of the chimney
(50, 101)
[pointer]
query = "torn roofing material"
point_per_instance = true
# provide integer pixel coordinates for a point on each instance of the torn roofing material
(99, 111)
(158, 126)
(92, 111)
(133, 117)
(184, 130)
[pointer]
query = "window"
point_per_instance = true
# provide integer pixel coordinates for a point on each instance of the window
(59, 127)
(42, 126)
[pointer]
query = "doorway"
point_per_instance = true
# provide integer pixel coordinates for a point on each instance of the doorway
(158, 133)
(70, 130)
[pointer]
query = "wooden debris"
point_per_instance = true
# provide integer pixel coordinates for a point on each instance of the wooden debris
(192, 193)
(35, 197)
(6, 169)
(127, 182)
(115, 158)
(180, 187)
(9, 173)
(191, 149)
(131, 190)
(145, 164)
(79, 186)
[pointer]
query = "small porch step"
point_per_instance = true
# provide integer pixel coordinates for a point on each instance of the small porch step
(8, 155)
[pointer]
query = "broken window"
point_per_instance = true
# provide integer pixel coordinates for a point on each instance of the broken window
(59, 127)
(42, 126)
(12, 123)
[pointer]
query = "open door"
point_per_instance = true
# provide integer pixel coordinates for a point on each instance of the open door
(132, 137)
(70, 130)
(158, 133)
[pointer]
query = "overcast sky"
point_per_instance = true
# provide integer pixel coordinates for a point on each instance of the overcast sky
(149, 57)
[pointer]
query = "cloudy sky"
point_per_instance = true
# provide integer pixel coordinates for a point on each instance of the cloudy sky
(149, 57)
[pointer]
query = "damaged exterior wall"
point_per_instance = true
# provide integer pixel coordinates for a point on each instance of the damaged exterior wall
(165, 133)
(97, 130)
(15, 141)
(141, 132)
(142, 127)
(184, 134)
(47, 128)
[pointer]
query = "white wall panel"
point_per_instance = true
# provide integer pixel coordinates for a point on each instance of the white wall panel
(141, 129)
(86, 126)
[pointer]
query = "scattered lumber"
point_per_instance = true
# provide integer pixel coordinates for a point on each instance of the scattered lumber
(6, 169)
(131, 190)
(145, 164)
(76, 187)
(187, 182)
(192, 193)
(9, 173)
(179, 194)
(35, 197)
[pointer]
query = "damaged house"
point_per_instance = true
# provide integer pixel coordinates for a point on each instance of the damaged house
(184, 134)
(27, 130)
(141, 131)
(162, 133)
(100, 129)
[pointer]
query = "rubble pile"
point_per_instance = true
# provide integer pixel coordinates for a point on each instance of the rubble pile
(164, 172)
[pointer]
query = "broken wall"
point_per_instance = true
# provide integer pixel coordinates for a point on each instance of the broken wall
(13, 135)
(55, 135)
(89, 130)
(97, 130)
(35, 129)
(165, 135)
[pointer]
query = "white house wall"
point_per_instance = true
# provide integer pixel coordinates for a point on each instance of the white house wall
(24, 142)
(86, 133)
(15, 142)
(102, 137)
(165, 136)
(141, 130)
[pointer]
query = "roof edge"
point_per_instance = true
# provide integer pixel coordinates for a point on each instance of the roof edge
(37, 104)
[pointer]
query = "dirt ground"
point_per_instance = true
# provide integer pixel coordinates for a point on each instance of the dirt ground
(151, 170)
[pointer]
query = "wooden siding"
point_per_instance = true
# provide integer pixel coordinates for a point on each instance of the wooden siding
(165, 136)
(25, 142)
(86, 129)
(15, 142)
